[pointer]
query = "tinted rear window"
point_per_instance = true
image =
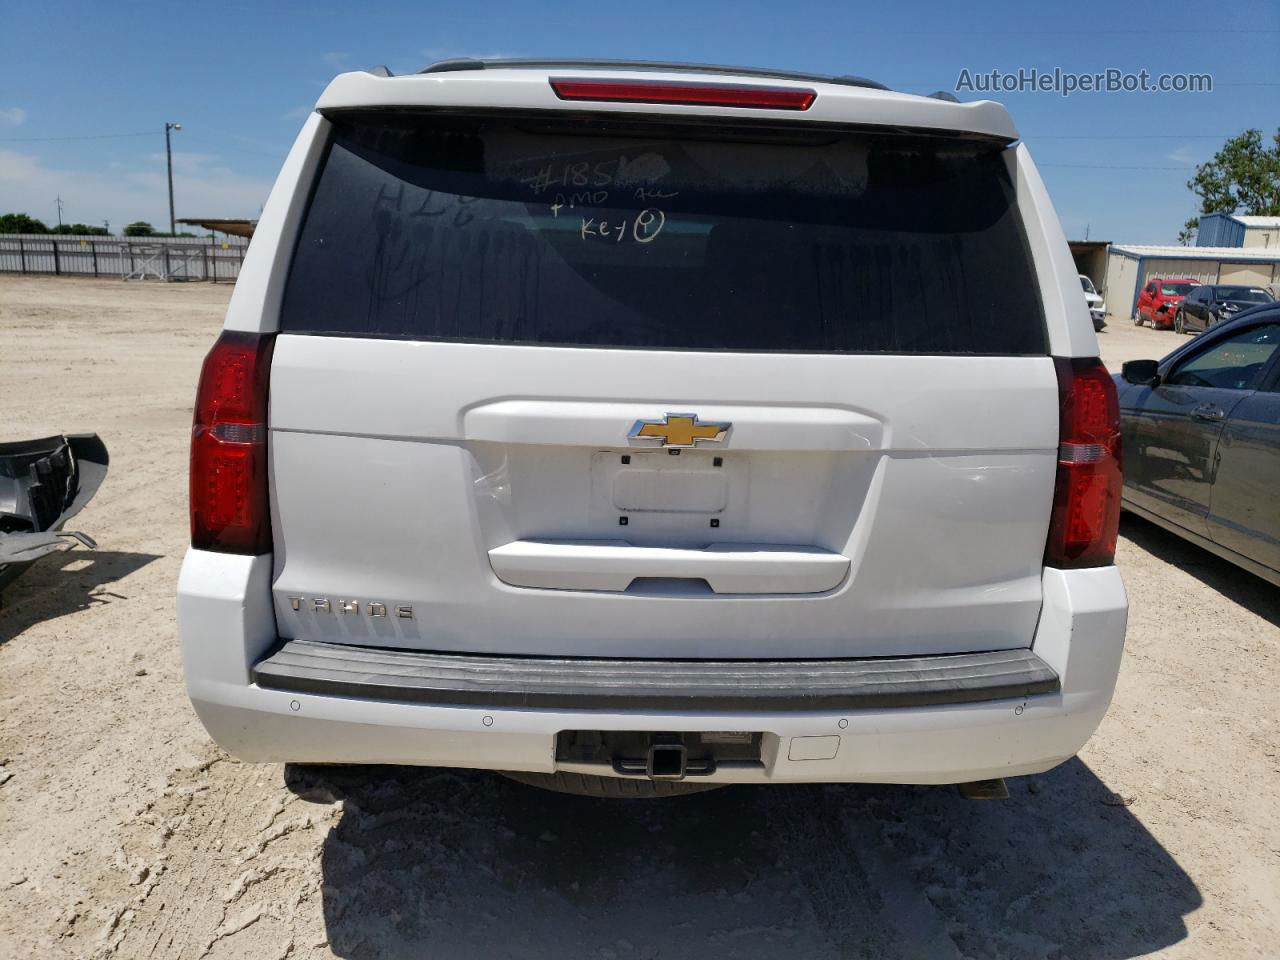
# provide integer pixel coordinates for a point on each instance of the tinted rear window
(575, 233)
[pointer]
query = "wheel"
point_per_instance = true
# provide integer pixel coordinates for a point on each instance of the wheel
(616, 788)
(1137, 318)
(1179, 323)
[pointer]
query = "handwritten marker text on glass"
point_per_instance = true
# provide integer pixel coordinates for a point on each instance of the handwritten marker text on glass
(645, 227)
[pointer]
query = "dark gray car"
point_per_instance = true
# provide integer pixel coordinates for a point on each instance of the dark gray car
(1213, 303)
(1201, 433)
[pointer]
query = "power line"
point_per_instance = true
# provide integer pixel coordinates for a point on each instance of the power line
(1128, 136)
(1086, 32)
(1112, 166)
(92, 136)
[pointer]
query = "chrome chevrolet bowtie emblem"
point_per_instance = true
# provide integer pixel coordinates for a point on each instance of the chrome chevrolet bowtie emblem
(677, 430)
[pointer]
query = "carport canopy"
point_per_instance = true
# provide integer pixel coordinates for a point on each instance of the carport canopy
(237, 228)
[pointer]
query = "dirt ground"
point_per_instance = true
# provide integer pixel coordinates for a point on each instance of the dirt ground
(124, 832)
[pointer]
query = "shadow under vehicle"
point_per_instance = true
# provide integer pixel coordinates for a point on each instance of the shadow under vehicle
(427, 862)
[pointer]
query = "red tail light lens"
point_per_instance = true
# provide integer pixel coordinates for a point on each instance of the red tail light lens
(1086, 499)
(693, 94)
(229, 510)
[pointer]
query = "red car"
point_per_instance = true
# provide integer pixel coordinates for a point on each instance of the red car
(1158, 302)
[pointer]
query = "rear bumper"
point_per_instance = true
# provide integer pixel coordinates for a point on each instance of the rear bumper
(581, 683)
(1052, 699)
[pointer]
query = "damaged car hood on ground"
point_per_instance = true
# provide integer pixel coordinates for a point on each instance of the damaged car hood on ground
(43, 484)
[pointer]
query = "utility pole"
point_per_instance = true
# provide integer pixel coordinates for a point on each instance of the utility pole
(168, 155)
(58, 200)
(106, 225)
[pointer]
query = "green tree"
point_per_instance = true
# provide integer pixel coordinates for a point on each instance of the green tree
(79, 230)
(1243, 177)
(139, 228)
(21, 223)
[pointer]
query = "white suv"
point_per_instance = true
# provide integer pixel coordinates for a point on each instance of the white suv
(1093, 299)
(636, 428)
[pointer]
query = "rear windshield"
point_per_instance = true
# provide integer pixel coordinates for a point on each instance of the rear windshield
(568, 232)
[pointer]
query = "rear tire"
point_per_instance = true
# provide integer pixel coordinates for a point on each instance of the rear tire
(1179, 323)
(614, 788)
(1137, 318)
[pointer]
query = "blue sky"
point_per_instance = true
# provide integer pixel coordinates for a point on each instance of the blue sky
(240, 76)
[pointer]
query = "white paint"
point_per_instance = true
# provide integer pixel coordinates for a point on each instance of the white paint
(595, 422)
(529, 89)
(424, 475)
(1081, 635)
(813, 748)
(932, 475)
(1071, 332)
(728, 568)
(255, 301)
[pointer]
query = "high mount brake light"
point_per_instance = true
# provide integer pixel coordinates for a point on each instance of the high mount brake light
(678, 92)
(1086, 498)
(229, 506)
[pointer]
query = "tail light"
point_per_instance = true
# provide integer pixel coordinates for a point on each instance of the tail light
(1086, 498)
(692, 94)
(229, 511)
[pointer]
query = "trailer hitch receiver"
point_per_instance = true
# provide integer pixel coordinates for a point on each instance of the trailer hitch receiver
(667, 761)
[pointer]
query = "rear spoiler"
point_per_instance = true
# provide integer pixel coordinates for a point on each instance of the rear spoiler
(518, 85)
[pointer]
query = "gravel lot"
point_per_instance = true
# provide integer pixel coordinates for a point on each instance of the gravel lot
(124, 832)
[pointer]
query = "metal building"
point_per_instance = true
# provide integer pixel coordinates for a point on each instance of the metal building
(1238, 230)
(1090, 257)
(1130, 267)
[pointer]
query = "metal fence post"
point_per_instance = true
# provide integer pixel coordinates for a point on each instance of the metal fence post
(166, 261)
(57, 265)
(93, 245)
(22, 254)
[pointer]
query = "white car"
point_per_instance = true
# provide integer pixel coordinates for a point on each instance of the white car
(638, 428)
(1097, 309)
